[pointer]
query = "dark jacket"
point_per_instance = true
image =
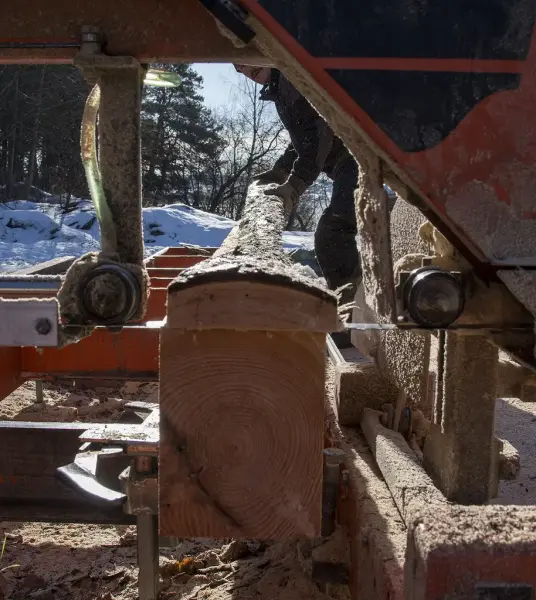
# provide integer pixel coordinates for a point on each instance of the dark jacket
(314, 148)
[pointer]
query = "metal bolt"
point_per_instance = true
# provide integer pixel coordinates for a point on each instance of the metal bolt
(91, 40)
(43, 326)
(90, 34)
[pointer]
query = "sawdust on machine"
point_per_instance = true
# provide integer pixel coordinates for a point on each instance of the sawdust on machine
(105, 293)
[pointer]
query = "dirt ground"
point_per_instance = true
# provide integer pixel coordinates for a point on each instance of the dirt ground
(44, 561)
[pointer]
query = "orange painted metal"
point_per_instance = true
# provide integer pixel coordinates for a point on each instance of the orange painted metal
(174, 261)
(185, 251)
(161, 282)
(28, 294)
(10, 368)
(130, 354)
(168, 273)
(465, 179)
(167, 30)
(156, 307)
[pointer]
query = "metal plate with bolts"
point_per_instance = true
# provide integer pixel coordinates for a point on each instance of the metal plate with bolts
(29, 323)
(505, 591)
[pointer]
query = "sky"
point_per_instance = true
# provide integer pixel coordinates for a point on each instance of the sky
(219, 82)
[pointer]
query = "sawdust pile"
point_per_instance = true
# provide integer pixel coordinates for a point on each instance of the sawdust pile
(46, 561)
(80, 562)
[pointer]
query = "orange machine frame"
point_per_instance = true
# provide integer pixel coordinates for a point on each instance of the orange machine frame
(130, 354)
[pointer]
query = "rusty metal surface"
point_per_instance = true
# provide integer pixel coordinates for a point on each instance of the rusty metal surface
(169, 30)
(471, 552)
(10, 368)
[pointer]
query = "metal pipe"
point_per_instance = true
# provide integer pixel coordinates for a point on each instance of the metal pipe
(39, 396)
(147, 526)
(37, 45)
(333, 458)
(148, 542)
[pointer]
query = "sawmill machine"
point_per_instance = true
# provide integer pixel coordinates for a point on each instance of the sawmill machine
(433, 101)
(436, 102)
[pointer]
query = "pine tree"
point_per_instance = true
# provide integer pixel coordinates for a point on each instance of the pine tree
(40, 114)
(179, 137)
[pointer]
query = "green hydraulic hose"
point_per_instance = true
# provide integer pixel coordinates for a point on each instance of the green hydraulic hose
(88, 144)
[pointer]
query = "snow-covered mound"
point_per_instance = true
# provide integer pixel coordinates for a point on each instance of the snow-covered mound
(32, 232)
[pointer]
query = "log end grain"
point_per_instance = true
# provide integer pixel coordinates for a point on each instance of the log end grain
(242, 434)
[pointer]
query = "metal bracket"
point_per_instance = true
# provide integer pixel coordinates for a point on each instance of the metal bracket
(29, 323)
(141, 491)
(140, 483)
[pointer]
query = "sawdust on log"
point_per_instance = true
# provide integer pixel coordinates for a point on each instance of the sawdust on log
(253, 250)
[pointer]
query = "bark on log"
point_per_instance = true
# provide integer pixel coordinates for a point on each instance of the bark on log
(242, 389)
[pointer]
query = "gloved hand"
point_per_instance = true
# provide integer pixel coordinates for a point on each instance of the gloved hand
(289, 192)
(272, 176)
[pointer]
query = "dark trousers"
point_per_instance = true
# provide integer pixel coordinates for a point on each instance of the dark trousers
(335, 236)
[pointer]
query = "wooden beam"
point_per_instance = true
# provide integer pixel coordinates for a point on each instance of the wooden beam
(242, 389)
(460, 451)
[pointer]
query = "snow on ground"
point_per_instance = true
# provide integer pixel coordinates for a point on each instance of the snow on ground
(32, 232)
